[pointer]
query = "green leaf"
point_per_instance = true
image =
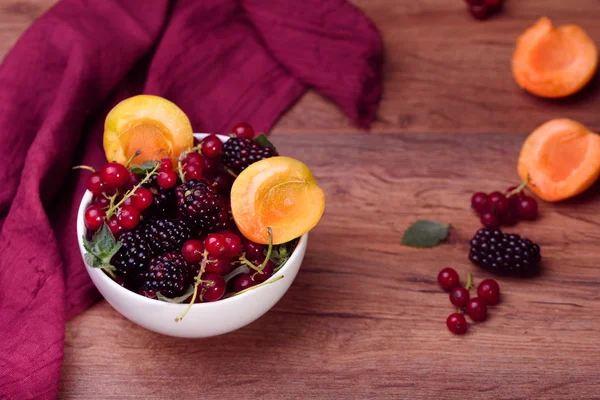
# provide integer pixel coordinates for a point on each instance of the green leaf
(242, 269)
(424, 233)
(101, 249)
(176, 300)
(263, 141)
(144, 167)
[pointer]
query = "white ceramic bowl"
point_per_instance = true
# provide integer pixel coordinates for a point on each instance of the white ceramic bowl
(203, 319)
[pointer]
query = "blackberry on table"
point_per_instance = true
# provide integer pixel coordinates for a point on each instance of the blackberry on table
(504, 254)
(238, 153)
(166, 276)
(200, 204)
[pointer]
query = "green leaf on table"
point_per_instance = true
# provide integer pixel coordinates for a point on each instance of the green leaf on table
(143, 168)
(425, 233)
(263, 141)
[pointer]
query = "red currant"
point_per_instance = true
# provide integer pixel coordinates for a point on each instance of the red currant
(142, 198)
(479, 11)
(113, 225)
(456, 323)
(212, 146)
(128, 217)
(476, 309)
(265, 274)
(497, 203)
(479, 202)
(166, 164)
(510, 218)
(233, 244)
(166, 179)
(493, 3)
(528, 208)
(102, 201)
(193, 251)
(490, 220)
(210, 164)
(95, 184)
(223, 182)
(114, 175)
(254, 251)
(215, 244)
(459, 296)
(219, 265)
(448, 279)
(242, 282)
(212, 287)
(192, 171)
(193, 158)
(489, 291)
(94, 217)
(243, 130)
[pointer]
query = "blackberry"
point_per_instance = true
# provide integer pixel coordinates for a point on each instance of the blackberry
(165, 275)
(239, 153)
(177, 258)
(163, 200)
(169, 234)
(200, 204)
(504, 254)
(135, 253)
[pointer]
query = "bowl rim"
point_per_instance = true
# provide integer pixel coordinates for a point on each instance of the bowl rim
(98, 272)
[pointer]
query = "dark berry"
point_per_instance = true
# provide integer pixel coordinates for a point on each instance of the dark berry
(479, 11)
(212, 287)
(192, 171)
(528, 208)
(489, 291)
(114, 175)
(456, 323)
(95, 184)
(132, 180)
(479, 202)
(239, 153)
(448, 279)
(169, 234)
(243, 130)
(136, 251)
(243, 282)
(94, 217)
(459, 296)
(176, 257)
(128, 217)
(166, 179)
(490, 220)
(167, 277)
(233, 244)
(200, 204)
(476, 309)
(497, 203)
(254, 251)
(193, 250)
(504, 254)
(215, 244)
(212, 146)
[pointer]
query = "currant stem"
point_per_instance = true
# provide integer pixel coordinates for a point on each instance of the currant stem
(197, 282)
(259, 285)
(520, 187)
(230, 172)
(469, 281)
(270, 249)
(137, 153)
(84, 167)
(130, 193)
(180, 171)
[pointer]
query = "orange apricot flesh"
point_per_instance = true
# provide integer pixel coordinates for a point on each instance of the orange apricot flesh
(554, 61)
(150, 124)
(280, 193)
(561, 159)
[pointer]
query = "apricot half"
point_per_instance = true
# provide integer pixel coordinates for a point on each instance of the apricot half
(561, 158)
(277, 192)
(150, 124)
(554, 62)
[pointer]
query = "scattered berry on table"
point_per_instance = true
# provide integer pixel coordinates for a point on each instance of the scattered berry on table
(489, 291)
(479, 202)
(456, 323)
(497, 203)
(490, 220)
(459, 296)
(239, 153)
(476, 309)
(448, 279)
(504, 254)
(527, 208)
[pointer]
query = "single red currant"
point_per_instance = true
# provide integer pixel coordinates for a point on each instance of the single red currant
(448, 279)
(166, 179)
(479, 11)
(166, 164)
(242, 282)
(114, 175)
(219, 265)
(223, 182)
(459, 296)
(266, 272)
(479, 202)
(215, 244)
(193, 158)
(456, 323)
(528, 208)
(212, 146)
(243, 130)
(128, 217)
(210, 164)
(95, 184)
(142, 198)
(94, 217)
(113, 225)
(476, 309)
(192, 171)
(510, 218)
(254, 251)
(233, 244)
(489, 291)
(497, 203)
(193, 251)
(489, 220)
(102, 201)
(212, 287)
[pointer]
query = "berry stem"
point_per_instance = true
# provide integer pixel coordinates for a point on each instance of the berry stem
(242, 269)
(230, 172)
(130, 193)
(520, 187)
(469, 281)
(137, 153)
(197, 282)
(84, 167)
(180, 170)
(257, 286)
(269, 250)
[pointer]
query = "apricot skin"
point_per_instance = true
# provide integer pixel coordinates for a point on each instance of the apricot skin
(280, 193)
(554, 62)
(561, 158)
(151, 124)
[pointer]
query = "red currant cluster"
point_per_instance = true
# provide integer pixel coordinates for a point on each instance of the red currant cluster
(488, 294)
(482, 9)
(506, 209)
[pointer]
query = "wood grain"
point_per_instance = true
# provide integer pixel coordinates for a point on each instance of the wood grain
(365, 317)
(444, 72)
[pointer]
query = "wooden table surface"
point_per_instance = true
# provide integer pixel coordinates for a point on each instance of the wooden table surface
(365, 318)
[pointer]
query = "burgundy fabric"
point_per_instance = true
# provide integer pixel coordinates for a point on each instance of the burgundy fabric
(222, 61)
